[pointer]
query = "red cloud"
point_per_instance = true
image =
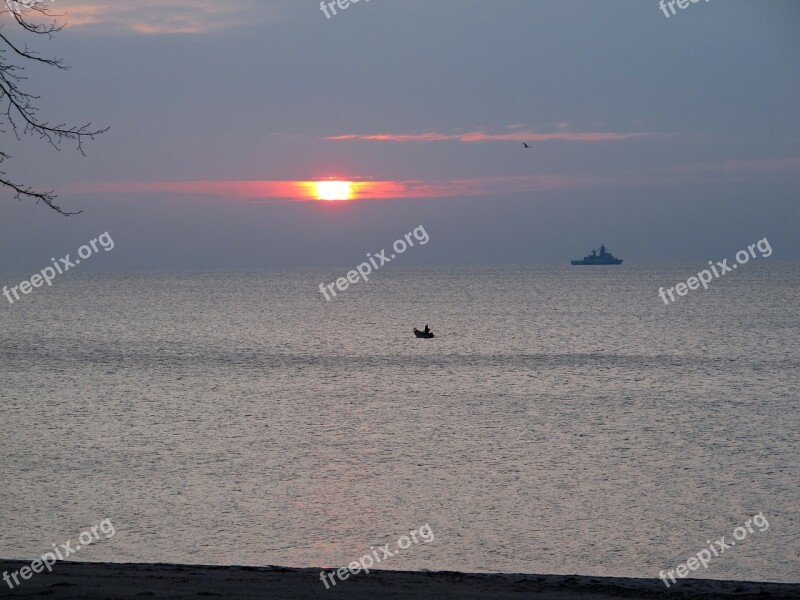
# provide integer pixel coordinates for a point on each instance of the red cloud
(481, 136)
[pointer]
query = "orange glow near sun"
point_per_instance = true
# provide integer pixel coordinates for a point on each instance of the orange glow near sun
(334, 190)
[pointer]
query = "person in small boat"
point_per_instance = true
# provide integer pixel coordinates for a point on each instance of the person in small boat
(427, 329)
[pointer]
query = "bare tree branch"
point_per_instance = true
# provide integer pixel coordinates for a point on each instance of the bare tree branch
(21, 192)
(17, 106)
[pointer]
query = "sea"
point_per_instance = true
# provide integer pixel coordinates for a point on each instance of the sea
(564, 420)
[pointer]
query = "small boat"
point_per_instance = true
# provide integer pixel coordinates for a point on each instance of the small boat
(422, 334)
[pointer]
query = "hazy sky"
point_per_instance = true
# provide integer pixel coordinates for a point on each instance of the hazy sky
(666, 138)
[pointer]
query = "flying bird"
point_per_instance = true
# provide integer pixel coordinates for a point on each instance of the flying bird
(526, 145)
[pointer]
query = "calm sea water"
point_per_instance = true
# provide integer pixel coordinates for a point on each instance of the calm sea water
(563, 420)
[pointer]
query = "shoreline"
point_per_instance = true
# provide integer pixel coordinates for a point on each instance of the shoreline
(72, 580)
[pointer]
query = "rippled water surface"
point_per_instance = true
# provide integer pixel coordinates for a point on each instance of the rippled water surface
(562, 421)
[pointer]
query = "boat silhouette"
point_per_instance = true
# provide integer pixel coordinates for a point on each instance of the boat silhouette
(604, 258)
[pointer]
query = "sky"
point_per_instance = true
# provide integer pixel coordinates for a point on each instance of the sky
(669, 139)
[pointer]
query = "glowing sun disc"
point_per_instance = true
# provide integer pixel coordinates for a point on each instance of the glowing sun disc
(334, 190)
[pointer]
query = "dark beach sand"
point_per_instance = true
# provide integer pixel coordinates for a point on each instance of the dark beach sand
(105, 580)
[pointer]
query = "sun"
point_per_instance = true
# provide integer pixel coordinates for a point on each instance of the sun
(334, 190)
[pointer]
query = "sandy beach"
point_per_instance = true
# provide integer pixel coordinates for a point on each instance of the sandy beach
(117, 581)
